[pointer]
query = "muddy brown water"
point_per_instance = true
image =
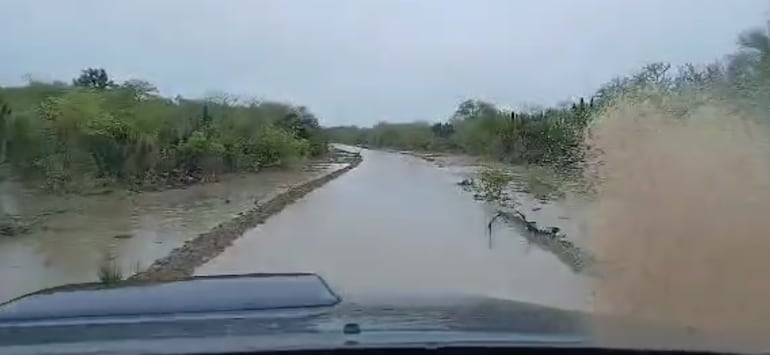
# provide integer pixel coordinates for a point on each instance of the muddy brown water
(400, 224)
(77, 232)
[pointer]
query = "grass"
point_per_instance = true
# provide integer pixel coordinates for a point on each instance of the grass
(109, 272)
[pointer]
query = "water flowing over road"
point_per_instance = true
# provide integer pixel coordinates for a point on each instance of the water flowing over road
(399, 224)
(133, 229)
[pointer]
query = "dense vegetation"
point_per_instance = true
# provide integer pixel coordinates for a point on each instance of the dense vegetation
(555, 136)
(480, 128)
(95, 132)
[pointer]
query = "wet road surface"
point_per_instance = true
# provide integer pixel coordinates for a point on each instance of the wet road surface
(399, 224)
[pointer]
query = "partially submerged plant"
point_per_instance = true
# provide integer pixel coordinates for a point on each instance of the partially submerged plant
(492, 182)
(109, 272)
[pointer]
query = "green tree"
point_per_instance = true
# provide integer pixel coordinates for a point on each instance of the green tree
(140, 89)
(756, 43)
(94, 78)
(472, 109)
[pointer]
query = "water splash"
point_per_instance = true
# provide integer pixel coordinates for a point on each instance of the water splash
(680, 218)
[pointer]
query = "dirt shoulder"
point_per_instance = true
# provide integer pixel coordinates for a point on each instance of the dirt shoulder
(182, 261)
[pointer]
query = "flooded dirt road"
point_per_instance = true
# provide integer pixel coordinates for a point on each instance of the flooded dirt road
(397, 223)
(76, 233)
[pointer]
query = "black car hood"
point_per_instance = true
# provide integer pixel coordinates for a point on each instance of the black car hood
(283, 312)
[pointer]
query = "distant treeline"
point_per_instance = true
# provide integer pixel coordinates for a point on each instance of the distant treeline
(94, 131)
(478, 127)
(555, 136)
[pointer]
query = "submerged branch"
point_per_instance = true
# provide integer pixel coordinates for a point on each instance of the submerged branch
(549, 239)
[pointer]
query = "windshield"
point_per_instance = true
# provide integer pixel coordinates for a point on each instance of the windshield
(603, 156)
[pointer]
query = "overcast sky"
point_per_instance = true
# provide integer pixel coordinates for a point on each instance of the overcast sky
(358, 61)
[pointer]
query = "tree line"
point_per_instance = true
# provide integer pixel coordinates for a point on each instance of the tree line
(555, 136)
(94, 132)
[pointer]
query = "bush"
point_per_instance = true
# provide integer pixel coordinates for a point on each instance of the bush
(275, 146)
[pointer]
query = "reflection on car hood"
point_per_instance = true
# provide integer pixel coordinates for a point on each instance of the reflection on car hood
(203, 294)
(299, 311)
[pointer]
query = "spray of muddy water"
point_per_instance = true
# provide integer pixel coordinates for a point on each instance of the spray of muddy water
(681, 217)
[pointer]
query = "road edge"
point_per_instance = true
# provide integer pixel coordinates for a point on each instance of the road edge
(181, 262)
